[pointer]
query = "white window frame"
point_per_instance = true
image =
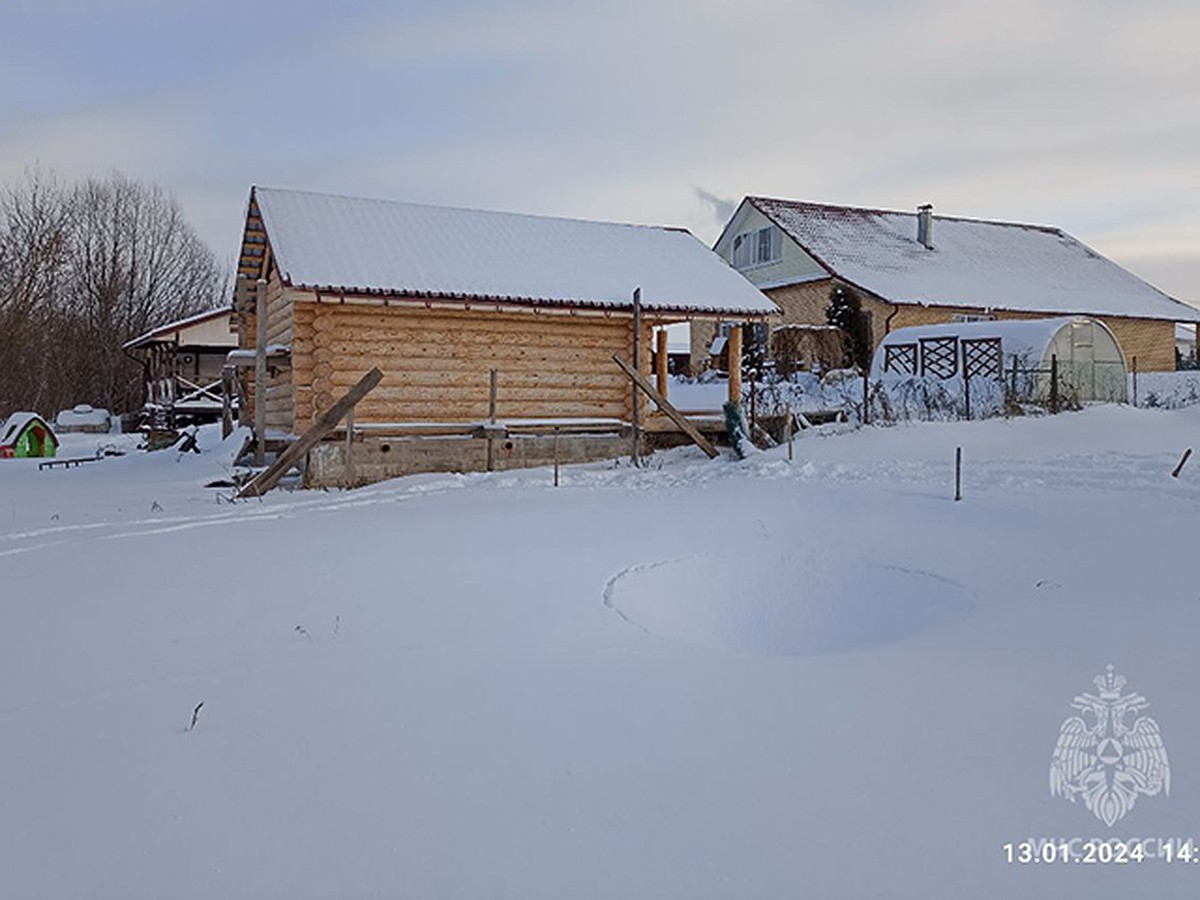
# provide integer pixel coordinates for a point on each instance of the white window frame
(749, 247)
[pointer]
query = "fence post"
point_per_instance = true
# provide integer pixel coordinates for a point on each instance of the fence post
(556, 430)
(1014, 380)
(789, 425)
(957, 474)
(866, 415)
(1054, 383)
(1135, 403)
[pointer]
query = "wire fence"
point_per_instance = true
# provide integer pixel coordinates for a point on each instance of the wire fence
(975, 389)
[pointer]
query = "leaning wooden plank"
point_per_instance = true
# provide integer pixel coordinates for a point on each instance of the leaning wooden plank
(678, 418)
(270, 476)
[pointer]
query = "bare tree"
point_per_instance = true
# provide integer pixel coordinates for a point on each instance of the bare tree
(82, 271)
(34, 233)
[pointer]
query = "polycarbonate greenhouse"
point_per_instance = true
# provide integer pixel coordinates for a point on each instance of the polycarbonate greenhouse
(1023, 352)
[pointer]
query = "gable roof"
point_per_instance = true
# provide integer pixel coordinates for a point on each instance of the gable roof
(354, 245)
(974, 263)
(11, 428)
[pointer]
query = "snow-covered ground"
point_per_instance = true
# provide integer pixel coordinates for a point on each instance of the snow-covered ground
(699, 679)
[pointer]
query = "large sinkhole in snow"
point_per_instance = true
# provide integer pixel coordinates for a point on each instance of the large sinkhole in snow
(789, 605)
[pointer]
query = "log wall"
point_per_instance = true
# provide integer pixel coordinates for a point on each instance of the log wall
(436, 362)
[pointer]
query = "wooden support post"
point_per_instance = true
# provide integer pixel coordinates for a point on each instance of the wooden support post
(734, 347)
(295, 452)
(957, 474)
(1054, 382)
(672, 413)
(790, 428)
(1135, 403)
(260, 372)
(753, 400)
(491, 446)
(635, 456)
(660, 362)
(228, 373)
(866, 414)
(350, 448)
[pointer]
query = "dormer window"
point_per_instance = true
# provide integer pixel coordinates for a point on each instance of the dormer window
(757, 248)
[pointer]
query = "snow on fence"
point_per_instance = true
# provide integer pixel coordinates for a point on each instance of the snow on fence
(1165, 390)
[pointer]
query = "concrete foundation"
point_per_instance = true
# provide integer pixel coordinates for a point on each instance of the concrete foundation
(379, 458)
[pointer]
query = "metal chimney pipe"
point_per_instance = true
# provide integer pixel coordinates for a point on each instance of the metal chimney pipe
(925, 225)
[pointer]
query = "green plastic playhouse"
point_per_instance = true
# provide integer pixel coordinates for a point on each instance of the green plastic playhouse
(27, 434)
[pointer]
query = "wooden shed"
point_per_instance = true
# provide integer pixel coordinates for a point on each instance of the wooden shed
(438, 299)
(183, 362)
(26, 434)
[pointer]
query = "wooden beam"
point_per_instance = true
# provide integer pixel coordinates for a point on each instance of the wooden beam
(675, 415)
(660, 361)
(734, 345)
(228, 373)
(350, 449)
(636, 419)
(260, 372)
(491, 447)
(328, 421)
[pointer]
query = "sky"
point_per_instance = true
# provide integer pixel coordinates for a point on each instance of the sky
(1082, 114)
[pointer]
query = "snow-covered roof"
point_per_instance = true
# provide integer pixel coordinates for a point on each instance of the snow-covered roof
(974, 263)
(377, 246)
(166, 332)
(82, 415)
(16, 423)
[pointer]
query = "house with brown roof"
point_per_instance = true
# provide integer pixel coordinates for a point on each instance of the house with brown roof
(924, 269)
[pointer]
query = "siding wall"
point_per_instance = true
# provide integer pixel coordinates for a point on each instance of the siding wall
(793, 262)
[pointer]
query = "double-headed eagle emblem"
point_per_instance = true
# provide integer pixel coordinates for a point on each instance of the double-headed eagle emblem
(1103, 759)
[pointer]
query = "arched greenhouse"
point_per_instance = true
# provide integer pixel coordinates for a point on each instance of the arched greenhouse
(1090, 363)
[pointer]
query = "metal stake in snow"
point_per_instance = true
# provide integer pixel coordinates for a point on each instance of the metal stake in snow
(1182, 462)
(957, 474)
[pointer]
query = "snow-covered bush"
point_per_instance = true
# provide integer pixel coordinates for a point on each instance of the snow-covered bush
(1166, 390)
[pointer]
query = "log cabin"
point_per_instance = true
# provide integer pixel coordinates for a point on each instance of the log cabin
(439, 299)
